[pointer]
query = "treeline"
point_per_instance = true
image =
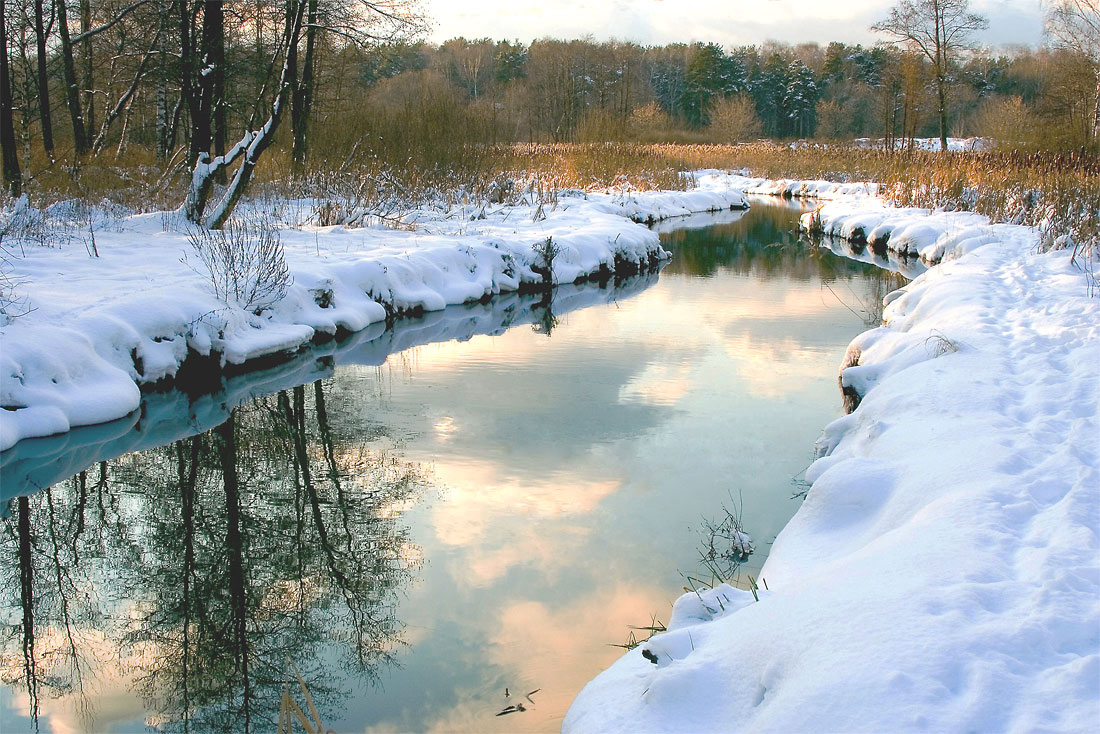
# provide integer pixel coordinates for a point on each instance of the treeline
(586, 91)
(156, 77)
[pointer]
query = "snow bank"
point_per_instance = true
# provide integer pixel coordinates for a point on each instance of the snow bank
(802, 189)
(943, 573)
(98, 327)
(911, 231)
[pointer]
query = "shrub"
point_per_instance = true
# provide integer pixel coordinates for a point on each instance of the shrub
(244, 262)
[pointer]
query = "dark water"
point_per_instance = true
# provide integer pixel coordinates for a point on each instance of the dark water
(418, 520)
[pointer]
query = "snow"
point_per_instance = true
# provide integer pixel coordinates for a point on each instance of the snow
(912, 231)
(955, 145)
(943, 573)
(97, 328)
(809, 189)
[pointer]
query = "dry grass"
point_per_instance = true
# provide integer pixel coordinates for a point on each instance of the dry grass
(395, 160)
(1058, 192)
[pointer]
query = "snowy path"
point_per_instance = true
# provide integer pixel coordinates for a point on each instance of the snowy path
(943, 573)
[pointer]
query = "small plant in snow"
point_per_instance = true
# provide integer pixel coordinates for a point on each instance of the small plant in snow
(547, 251)
(12, 221)
(725, 545)
(244, 262)
(939, 345)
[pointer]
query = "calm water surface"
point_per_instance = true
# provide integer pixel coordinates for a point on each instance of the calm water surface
(418, 532)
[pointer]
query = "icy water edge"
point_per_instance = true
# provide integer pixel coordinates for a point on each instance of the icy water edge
(421, 520)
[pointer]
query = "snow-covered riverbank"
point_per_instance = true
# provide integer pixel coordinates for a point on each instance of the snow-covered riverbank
(943, 573)
(96, 328)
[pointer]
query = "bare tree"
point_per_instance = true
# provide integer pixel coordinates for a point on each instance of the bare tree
(360, 23)
(41, 33)
(13, 179)
(68, 68)
(1075, 24)
(940, 29)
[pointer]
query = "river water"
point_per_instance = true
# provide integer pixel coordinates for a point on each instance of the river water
(430, 523)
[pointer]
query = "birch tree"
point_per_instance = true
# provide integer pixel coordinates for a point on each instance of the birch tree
(940, 29)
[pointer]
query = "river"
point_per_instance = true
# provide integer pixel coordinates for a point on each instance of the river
(446, 526)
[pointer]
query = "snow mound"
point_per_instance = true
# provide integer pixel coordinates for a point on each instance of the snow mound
(911, 231)
(943, 573)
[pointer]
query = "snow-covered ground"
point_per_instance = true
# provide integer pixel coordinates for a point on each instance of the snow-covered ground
(943, 573)
(96, 328)
(912, 231)
(953, 144)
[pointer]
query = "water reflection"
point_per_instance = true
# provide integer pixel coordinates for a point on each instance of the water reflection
(444, 511)
(32, 465)
(205, 568)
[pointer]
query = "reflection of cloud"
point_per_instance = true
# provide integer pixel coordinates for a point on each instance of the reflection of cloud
(658, 384)
(555, 649)
(479, 491)
(108, 697)
(553, 652)
(535, 548)
(776, 369)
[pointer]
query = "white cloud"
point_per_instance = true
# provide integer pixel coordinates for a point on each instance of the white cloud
(730, 22)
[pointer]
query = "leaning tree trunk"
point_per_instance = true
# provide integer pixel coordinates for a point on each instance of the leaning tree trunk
(13, 179)
(248, 149)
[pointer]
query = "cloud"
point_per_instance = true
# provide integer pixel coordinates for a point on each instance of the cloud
(730, 23)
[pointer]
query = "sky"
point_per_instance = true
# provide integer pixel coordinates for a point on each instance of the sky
(729, 22)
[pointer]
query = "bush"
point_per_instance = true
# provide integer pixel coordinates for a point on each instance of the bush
(734, 120)
(244, 262)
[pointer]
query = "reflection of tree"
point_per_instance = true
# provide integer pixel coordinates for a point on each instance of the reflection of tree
(269, 538)
(763, 243)
(868, 307)
(546, 321)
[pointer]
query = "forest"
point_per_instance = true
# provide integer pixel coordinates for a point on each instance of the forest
(142, 83)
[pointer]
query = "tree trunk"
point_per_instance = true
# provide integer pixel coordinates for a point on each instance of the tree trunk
(163, 116)
(226, 440)
(302, 102)
(13, 179)
(26, 600)
(43, 79)
(941, 98)
(87, 80)
(197, 142)
(1096, 111)
(68, 70)
(213, 63)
